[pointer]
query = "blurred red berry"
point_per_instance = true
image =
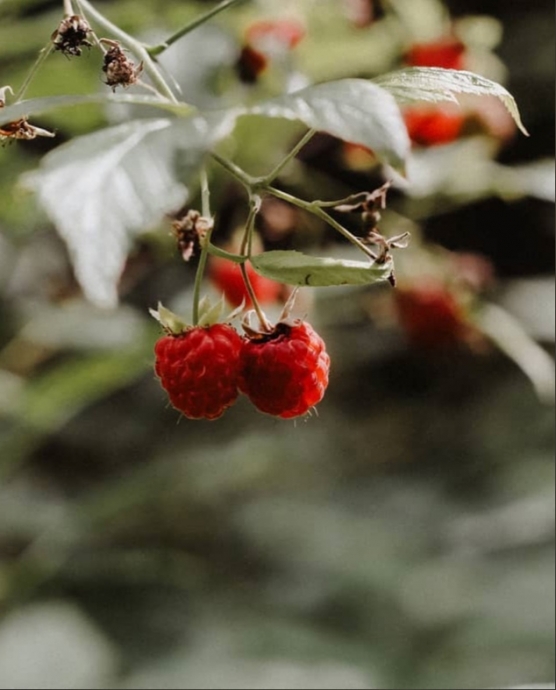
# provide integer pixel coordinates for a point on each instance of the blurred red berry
(433, 126)
(267, 33)
(227, 277)
(448, 53)
(431, 316)
(199, 370)
(251, 64)
(285, 373)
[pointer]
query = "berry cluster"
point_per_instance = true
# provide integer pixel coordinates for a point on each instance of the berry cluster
(284, 372)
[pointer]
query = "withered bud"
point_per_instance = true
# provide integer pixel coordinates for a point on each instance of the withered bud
(70, 37)
(370, 203)
(3, 91)
(21, 129)
(119, 69)
(189, 231)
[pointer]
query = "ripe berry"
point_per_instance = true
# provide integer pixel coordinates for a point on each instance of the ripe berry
(250, 64)
(275, 32)
(228, 278)
(431, 316)
(199, 369)
(285, 373)
(433, 126)
(448, 53)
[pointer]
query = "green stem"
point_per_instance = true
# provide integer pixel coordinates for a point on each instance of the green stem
(316, 210)
(291, 155)
(205, 244)
(240, 175)
(154, 51)
(134, 46)
(255, 203)
(213, 250)
(254, 184)
(43, 54)
(205, 193)
(199, 276)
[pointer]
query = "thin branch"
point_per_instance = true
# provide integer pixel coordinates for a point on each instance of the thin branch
(154, 51)
(291, 155)
(318, 211)
(43, 54)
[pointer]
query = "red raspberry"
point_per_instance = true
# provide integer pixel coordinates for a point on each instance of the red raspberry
(448, 53)
(199, 369)
(287, 32)
(433, 126)
(227, 276)
(251, 64)
(431, 316)
(285, 373)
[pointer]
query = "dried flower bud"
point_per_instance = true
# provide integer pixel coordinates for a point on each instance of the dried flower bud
(70, 37)
(119, 69)
(189, 231)
(21, 129)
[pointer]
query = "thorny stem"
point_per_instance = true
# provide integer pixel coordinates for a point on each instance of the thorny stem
(133, 45)
(204, 247)
(291, 155)
(43, 54)
(154, 51)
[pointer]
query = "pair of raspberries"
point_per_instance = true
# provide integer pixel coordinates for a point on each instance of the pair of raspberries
(284, 373)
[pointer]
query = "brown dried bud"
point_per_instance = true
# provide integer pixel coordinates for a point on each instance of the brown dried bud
(190, 230)
(70, 37)
(21, 129)
(119, 69)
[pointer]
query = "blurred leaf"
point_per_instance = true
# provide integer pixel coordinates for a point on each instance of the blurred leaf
(57, 396)
(53, 646)
(40, 106)
(434, 84)
(354, 110)
(513, 340)
(295, 268)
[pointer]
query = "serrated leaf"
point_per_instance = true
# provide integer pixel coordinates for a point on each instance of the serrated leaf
(354, 110)
(103, 189)
(295, 268)
(40, 106)
(435, 84)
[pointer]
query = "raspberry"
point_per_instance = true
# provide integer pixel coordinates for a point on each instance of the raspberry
(228, 278)
(431, 316)
(285, 373)
(433, 126)
(250, 64)
(199, 370)
(287, 32)
(448, 53)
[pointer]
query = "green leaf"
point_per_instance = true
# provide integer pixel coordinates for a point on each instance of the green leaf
(434, 84)
(39, 106)
(354, 110)
(103, 189)
(295, 268)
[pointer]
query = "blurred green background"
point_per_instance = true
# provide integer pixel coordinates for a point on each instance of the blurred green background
(402, 538)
